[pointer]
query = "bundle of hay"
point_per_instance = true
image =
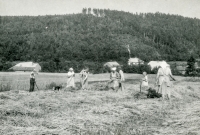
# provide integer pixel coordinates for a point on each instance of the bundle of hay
(153, 94)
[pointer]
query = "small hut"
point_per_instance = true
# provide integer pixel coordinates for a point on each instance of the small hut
(26, 67)
(135, 61)
(111, 64)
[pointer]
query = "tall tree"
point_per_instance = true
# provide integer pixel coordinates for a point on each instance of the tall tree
(190, 66)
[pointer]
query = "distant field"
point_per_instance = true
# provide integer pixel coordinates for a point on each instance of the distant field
(97, 111)
(20, 80)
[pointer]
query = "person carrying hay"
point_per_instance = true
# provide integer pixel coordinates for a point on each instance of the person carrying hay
(121, 78)
(144, 81)
(70, 80)
(114, 76)
(85, 79)
(81, 77)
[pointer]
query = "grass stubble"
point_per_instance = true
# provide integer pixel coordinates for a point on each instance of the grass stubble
(100, 112)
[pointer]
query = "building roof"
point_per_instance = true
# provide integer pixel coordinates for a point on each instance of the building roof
(22, 68)
(26, 66)
(111, 64)
(178, 63)
(181, 68)
(155, 64)
(135, 60)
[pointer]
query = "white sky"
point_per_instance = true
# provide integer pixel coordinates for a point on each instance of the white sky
(187, 8)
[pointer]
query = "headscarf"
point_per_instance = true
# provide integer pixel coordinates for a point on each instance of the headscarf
(113, 68)
(71, 69)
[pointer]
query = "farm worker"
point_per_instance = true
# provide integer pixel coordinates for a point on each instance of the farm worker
(70, 80)
(32, 82)
(144, 81)
(114, 76)
(85, 79)
(160, 78)
(121, 78)
(167, 83)
(81, 77)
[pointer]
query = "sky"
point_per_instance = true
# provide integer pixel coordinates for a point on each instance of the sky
(186, 8)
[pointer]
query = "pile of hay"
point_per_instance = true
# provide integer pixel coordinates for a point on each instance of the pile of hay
(151, 93)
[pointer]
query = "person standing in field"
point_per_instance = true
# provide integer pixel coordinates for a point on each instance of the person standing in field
(81, 77)
(166, 90)
(70, 80)
(159, 79)
(85, 75)
(121, 78)
(144, 81)
(114, 76)
(32, 82)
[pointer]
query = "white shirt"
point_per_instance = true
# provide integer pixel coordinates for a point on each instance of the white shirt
(69, 74)
(168, 71)
(121, 75)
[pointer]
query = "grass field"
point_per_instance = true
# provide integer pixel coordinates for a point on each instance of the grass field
(96, 111)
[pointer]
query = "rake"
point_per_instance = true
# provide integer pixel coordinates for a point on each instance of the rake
(36, 85)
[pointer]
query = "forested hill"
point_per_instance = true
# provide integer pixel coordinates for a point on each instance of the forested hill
(96, 36)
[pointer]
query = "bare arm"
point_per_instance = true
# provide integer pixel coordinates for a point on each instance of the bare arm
(170, 74)
(157, 76)
(118, 75)
(86, 76)
(81, 73)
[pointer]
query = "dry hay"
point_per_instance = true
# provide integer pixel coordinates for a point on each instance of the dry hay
(99, 112)
(140, 95)
(149, 93)
(99, 86)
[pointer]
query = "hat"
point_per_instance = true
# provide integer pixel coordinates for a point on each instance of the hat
(70, 69)
(145, 73)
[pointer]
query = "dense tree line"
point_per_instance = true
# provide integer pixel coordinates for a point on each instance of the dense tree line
(96, 36)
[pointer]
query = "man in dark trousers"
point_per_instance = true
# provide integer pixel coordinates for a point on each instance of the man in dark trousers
(32, 82)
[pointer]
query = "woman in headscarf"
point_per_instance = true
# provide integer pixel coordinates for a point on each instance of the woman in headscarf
(167, 83)
(114, 76)
(159, 79)
(85, 79)
(70, 80)
(81, 76)
(144, 81)
(121, 78)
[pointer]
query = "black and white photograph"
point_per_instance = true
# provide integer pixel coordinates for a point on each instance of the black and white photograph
(99, 67)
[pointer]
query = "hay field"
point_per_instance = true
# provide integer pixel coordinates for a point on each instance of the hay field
(95, 111)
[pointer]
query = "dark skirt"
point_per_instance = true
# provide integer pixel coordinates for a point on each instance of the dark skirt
(32, 84)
